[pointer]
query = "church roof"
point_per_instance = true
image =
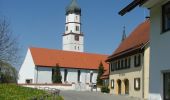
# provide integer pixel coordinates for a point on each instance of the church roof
(73, 8)
(67, 59)
(136, 40)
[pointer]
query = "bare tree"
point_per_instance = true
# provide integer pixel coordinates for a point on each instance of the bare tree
(8, 50)
(8, 44)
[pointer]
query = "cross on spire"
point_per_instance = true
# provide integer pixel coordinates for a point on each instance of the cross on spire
(124, 33)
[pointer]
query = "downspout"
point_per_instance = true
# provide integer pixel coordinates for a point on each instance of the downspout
(37, 75)
(143, 72)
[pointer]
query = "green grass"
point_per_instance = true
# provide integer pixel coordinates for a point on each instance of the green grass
(14, 92)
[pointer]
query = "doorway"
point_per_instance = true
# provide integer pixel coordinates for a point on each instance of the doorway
(119, 86)
(126, 82)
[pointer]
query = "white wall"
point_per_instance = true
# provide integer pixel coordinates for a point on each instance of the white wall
(84, 76)
(69, 43)
(44, 75)
(160, 53)
(27, 69)
(70, 18)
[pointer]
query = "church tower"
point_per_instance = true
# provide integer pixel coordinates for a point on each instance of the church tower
(73, 38)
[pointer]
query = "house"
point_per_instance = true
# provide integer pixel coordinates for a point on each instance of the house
(76, 66)
(129, 64)
(159, 81)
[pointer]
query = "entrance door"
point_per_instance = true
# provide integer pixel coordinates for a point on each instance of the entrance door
(167, 86)
(119, 86)
(126, 86)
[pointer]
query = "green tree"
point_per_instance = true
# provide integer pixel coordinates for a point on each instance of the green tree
(56, 75)
(8, 73)
(100, 73)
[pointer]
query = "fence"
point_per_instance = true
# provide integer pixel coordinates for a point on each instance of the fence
(52, 93)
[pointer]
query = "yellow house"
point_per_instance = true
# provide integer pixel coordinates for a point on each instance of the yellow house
(159, 81)
(129, 64)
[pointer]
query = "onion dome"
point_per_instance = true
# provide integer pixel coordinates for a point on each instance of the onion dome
(73, 8)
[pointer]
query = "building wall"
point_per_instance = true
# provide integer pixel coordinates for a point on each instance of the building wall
(159, 52)
(146, 71)
(132, 73)
(71, 26)
(27, 69)
(44, 75)
(69, 43)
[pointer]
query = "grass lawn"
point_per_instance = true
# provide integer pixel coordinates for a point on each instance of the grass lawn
(14, 92)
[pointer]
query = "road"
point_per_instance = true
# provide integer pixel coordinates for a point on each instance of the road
(77, 95)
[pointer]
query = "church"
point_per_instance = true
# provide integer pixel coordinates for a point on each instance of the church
(76, 66)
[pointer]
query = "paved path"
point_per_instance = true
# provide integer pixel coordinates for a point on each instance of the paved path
(77, 95)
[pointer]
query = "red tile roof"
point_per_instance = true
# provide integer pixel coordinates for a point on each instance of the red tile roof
(138, 38)
(68, 59)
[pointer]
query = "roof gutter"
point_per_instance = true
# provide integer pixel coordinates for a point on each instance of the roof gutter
(131, 6)
(145, 44)
(115, 56)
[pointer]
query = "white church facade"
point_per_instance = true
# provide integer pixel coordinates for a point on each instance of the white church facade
(76, 66)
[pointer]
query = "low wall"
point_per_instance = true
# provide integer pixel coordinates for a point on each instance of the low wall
(75, 87)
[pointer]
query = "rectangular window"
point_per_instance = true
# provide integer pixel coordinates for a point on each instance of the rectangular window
(79, 73)
(118, 64)
(112, 84)
(137, 83)
(77, 28)
(65, 75)
(137, 60)
(166, 17)
(112, 66)
(126, 63)
(52, 73)
(166, 86)
(91, 76)
(66, 28)
(129, 63)
(122, 65)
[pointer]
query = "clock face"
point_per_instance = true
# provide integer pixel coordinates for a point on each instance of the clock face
(77, 37)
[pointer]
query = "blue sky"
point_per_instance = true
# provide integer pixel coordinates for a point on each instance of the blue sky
(40, 23)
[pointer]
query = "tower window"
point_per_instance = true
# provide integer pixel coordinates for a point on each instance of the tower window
(77, 28)
(76, 17)
(76, 37)
(66, 28)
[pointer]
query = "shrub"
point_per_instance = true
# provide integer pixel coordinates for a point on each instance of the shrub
(56, 75)
(100, 73)
(105, 89)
